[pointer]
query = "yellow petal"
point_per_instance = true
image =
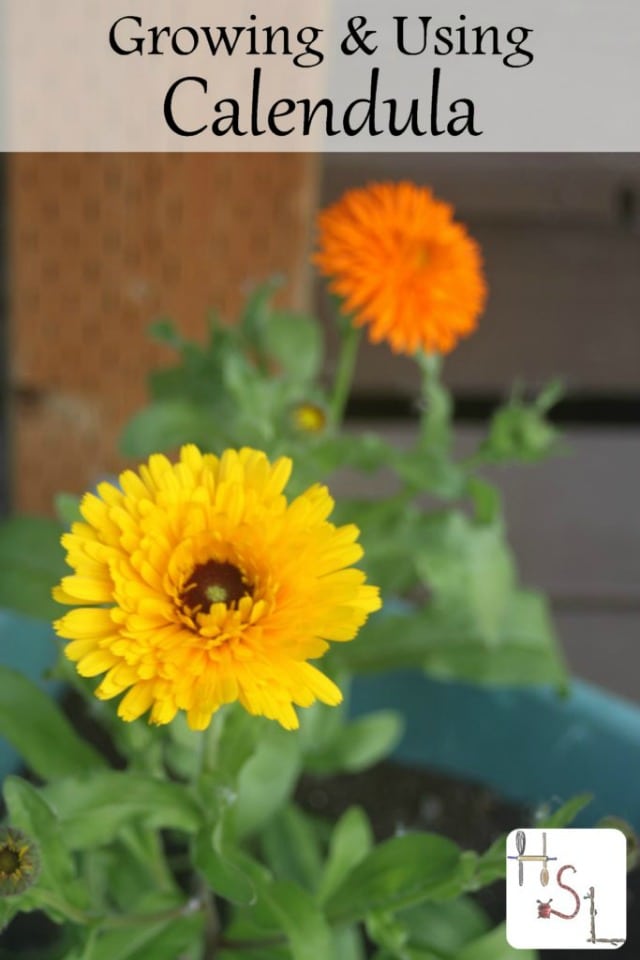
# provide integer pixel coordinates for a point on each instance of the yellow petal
(84, 622)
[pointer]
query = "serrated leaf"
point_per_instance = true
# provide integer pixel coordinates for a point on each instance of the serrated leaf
(32, 722)
(31, 562)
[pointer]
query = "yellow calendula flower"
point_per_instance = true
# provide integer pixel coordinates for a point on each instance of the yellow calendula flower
(197, 584)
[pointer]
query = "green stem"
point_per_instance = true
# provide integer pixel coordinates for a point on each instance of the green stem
(47, 899)
(435, 426)
(350, 342)
(210, 743)
(117, 920)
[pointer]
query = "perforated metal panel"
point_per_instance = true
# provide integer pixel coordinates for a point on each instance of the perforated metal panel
(99, 246)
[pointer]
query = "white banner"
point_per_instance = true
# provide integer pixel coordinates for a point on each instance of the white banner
(280, 75)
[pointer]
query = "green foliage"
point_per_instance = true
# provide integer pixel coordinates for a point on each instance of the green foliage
(521, 431)
(93, 809)
(240, 388)
(31, 562)
(396, 874)
(351, 841)
(32, 722)
(565, 814)
(137, 862)
(357, 745)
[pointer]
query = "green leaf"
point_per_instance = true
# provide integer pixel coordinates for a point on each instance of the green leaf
(359, 744)
(527, 652)
(67, 506)
(390, 537)
(259, 953)
(521, 432)
(486, 501)
(347, 944)
(320, 724)
(161, 939)
(165, 425)
(163, 331)
(444, 927)
(8, 910)
(396, 874)
(229, 871)
(350, 843)
(446, 644)
(32, 722)
(121, 874)
(494, 946)
(302, 921)
(365, 450)
(93, 809)
(31, 562)
(468, 566)
(491, 865)
(268, 778)
(291, 846)
(295, 343)
(386, 931)
(549, 396)
(565, 814)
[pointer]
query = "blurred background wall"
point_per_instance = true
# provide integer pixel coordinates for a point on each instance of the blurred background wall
(96, 247)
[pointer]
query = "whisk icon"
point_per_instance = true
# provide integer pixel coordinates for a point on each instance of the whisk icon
(522, 858)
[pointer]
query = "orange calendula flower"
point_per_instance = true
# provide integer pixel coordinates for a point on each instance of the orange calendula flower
(403, 266)
(197, 584)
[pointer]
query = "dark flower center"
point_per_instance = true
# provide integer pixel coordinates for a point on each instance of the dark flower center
(214, 582)
(9, 861)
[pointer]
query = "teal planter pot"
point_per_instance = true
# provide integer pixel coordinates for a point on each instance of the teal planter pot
(28, 646)
(528, 745)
